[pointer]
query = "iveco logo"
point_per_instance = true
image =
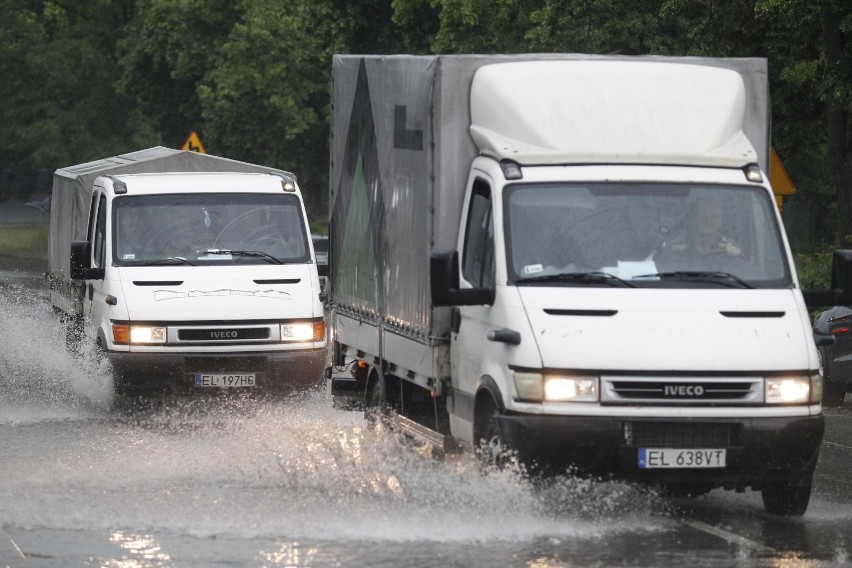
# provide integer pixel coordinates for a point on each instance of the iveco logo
(223, 334)
(683, 390)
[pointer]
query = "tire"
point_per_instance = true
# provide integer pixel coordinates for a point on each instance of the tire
(787, 498)
(491, 448)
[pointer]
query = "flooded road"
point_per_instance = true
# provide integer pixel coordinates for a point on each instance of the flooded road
(247, 480)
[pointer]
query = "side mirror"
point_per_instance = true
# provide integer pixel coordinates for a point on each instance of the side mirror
(81, 268)
(840, 293)
(444, 283)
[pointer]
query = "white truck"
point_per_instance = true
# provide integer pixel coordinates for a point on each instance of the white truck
(187, 271)
(578, 259)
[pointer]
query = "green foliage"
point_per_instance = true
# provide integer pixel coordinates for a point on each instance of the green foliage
(85, 79)
(266, 97)
(166, 51)
(24, 241)
(606, 26)
(814, 267)
(59, 103)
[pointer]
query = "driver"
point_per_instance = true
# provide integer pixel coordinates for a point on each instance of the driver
(704, 232)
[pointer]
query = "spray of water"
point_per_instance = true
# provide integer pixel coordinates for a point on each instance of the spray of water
(39, 378)
(251, 465)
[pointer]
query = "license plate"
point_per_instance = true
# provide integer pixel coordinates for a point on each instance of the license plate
(224, 380)
(654, 458)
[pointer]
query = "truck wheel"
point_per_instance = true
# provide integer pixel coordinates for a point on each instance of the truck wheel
(787, 498)
(491, 449)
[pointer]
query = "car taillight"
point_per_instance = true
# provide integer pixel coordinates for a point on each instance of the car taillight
(840, 330)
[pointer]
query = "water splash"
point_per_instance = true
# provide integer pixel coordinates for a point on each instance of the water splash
(39, 378)
(251, 466)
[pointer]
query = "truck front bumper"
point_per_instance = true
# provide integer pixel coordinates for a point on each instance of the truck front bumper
(176, 371)
(757, 450)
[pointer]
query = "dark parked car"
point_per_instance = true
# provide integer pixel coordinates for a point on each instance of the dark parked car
(837, 357)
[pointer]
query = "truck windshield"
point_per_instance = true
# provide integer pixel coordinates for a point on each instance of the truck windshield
(211, 228)
(643, 235)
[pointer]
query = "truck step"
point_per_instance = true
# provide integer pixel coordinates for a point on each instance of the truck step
(441, 443)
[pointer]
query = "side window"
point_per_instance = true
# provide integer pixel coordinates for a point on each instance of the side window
(478, 253)
(99, 242)
(90, 230)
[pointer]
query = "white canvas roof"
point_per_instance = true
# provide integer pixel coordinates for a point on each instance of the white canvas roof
(610, 111)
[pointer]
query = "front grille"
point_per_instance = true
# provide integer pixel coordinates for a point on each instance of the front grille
(223, 334)
(229, 364)
(681, 434)
(681, 390)
(715, 390)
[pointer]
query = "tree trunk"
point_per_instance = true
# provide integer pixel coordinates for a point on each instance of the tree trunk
(837, 121)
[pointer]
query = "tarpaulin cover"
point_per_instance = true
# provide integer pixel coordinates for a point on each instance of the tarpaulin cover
(400, 157)
(72, 191)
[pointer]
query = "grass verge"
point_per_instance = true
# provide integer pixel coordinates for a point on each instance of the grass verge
(24, 241)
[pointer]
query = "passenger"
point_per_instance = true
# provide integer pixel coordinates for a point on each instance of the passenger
(703, 234)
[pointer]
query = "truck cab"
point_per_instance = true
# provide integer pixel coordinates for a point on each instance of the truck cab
(621, 338)
(193, 280)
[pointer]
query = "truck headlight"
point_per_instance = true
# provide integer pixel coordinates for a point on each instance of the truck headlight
(303, 331)
(125, 334)
(793, 390)
(571, 388)
(556, 388)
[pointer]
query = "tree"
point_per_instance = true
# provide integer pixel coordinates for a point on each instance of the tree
(59, 105)
(167, 51)
(837, 29)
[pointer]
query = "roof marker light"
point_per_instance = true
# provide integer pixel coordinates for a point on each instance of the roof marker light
(511, 170)
(288, 186)
(752, 173)
(118, 186)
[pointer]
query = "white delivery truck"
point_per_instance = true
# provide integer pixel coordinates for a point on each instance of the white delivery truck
(578, 259)
(187, 271)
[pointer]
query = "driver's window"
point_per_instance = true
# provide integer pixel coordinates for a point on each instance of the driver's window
(478, 253)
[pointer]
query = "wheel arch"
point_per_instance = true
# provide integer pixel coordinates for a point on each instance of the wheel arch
(487, 395)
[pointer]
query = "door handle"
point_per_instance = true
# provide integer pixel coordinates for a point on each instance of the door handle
(505, 336)
(91, 290)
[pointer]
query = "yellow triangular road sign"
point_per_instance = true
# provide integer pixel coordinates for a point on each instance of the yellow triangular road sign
(193, 144)
(779, 179)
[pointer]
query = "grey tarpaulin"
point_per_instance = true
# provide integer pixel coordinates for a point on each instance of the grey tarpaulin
(400, 157)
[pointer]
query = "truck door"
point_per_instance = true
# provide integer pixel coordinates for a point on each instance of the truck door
(469, 340)
(97, 236)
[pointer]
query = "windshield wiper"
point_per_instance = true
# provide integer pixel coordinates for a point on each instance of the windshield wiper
(709, 276)
(245, 254)
(170, 260)
(579, 277)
